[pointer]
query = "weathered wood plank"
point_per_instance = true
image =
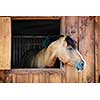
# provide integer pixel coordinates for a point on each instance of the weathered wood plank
(72, 30)
(36, 78)
(2, 77)
(54, 77)
(30, 78)
(42, 77)
(22, 78)
(38, 70)
(36, 17)
(86, 47)
(63, 25)
(5, 43)
(46, 77)
(37, 75)
(9, 78)
(97, 48)
(14, 79)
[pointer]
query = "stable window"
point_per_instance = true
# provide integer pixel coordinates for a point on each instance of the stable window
(29, 33)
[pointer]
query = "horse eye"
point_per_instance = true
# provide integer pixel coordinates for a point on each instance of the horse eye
(70, 48)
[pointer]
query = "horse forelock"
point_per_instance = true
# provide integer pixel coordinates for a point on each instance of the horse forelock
(70, 42)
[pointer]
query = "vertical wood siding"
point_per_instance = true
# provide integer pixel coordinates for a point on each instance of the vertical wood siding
(97, 49)
(86, 47)
(72, 30)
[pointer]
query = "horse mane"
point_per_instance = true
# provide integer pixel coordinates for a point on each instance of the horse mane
(50, 39)
(70, 41)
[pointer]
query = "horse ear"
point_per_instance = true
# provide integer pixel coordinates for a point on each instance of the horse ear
(65, 37)
(63, 41)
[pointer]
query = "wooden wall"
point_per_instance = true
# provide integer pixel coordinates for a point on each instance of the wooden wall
(36, 76)
(85, 30)
(82, 30)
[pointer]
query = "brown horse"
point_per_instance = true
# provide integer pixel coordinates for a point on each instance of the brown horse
(63, 48)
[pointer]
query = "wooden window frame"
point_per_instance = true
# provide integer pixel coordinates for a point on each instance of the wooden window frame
(62, 30)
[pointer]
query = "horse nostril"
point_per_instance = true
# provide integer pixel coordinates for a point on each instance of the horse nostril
(78, 69)
(82, 63)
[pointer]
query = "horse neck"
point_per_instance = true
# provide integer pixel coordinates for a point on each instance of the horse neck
(50, 57)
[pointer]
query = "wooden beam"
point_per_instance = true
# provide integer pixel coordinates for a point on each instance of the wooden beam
(35, 17)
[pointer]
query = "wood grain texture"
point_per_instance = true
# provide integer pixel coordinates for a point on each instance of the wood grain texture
(71, 30)
(8, 78)
(46, 77)
(36, 78)
(2, 77)
(30, 78)
(36, 17)
(14, 78)
(97, 48)
(22, 78)
(54, 77)
(63, 25)
(42, 77)
(86, 47)
(5, 43)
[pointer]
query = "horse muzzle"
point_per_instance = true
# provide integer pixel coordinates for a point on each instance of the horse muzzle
(80, 66)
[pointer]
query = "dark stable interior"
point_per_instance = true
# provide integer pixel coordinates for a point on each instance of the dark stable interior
(30, 34)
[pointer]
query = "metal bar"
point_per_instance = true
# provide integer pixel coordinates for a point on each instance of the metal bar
(33, 36)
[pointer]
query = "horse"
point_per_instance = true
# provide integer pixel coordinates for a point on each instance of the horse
(62, 49)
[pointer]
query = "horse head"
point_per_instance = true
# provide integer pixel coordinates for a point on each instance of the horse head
(65, 50)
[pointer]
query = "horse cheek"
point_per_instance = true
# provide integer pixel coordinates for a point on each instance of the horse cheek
(65, 44)
(62, 55)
